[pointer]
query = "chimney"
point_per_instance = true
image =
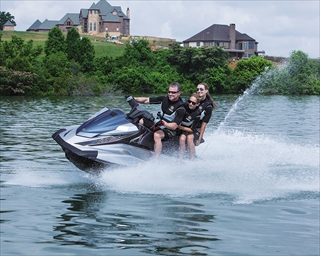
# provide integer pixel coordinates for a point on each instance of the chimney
(128, 13)
(232, 35)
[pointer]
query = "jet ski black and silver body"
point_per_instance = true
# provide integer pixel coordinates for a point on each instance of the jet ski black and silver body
(110, 138)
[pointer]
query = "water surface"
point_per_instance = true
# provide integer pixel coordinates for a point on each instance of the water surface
(256, 191)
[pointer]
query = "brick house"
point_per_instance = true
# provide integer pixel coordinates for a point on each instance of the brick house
(238, 45)
(99, 19)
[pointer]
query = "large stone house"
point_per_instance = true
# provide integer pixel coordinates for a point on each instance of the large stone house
(238, 45)
(101, 18)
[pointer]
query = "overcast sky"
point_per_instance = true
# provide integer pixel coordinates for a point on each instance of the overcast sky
(279, 26)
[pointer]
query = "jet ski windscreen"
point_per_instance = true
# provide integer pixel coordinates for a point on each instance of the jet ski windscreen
(104, 122)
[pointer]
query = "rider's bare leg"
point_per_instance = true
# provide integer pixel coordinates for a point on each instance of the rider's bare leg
(158, 136)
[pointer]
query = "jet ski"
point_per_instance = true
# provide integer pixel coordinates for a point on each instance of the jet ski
(111, 138)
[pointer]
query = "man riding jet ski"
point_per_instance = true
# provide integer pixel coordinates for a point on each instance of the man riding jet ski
(112, 138)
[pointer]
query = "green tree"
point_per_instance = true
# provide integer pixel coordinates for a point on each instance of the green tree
(57, 72)
(4, 17)
(195, 63)
(2, 52)
(300, 70)
(15, 82)
(20, 55)
(86, 58)
(73, 45)
(138, 52)
(246, 72)
(298, 76)
(55, 42)
(216, 78)
(104, 65)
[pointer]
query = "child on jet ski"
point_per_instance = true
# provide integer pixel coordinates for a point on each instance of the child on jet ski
(188, 126)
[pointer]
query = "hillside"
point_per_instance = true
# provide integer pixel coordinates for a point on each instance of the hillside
(39, 38)
(100, 44)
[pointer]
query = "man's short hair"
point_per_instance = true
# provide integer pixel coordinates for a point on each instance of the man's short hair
(177, 85)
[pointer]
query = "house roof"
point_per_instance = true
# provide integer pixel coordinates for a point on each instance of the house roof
(218, 32)
(8, 23)
(74, 17)
(48, 24)
(84, 13)
(103, 6)
(106, 11)
(35, 25)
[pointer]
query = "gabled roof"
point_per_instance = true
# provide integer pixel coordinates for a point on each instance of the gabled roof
(105, 11)
(35, 25)
(119, 10)
(218, 32)
(48, 24)
(84, 13)
(74, 17)
(8, 23)
(102, 5)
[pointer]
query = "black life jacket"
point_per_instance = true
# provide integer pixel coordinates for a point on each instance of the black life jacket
(168, 110)
(203, 106)
(190, 116)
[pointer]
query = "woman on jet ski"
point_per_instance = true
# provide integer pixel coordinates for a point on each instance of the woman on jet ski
(171, 115)
(206, 106)
(188, 126)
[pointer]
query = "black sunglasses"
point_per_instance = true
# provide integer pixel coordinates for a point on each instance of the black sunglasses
(192, 102)
(171, 92)
(200, 89)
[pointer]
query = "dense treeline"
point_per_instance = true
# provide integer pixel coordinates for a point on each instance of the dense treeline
(67, 65)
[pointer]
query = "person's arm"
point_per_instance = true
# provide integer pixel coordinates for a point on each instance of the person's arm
(143, 100)
(195, 124)
(186, 129)
(170, 126)
(178, 118)
(202, 129)
(205, 120)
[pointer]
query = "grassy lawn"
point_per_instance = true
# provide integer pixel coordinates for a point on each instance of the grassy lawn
(107, 48)
(39, 38)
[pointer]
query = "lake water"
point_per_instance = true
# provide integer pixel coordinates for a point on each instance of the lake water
(256, 191)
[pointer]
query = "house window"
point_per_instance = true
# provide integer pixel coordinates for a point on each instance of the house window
(90, 26)
(245, 45)
(107, 28)
(94, 26)
(240, 46)
(198, 44)
(114, 13)
(117, 28)
(216, 43)
(94, 11)
(251, 45)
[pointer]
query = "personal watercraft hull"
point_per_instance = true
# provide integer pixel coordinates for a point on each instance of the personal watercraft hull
(110, 138)
(99, 157)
